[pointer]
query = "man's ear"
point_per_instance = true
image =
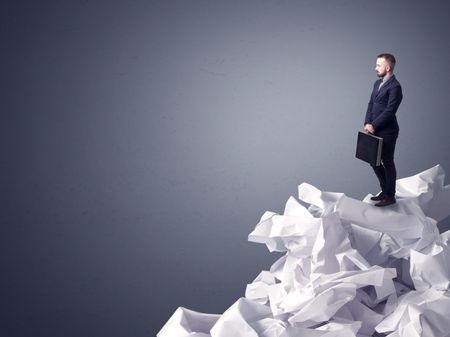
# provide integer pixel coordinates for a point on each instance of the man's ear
(388, 68)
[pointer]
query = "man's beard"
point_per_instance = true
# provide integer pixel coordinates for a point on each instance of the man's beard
(381, 75)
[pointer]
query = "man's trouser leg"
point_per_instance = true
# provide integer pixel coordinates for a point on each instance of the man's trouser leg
(386, 173)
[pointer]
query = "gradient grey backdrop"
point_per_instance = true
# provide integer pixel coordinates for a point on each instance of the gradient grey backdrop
(142, 141)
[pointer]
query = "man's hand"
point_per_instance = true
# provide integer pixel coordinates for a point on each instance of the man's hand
(368, 128)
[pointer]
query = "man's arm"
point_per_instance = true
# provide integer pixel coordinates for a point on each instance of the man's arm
(395, 98)
(368, 118)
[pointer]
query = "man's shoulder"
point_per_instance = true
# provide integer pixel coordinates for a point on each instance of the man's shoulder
(395, 81)
(393, 84)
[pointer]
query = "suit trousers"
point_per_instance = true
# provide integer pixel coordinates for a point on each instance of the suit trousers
(386, 172)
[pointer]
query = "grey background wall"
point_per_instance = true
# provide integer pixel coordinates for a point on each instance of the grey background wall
(142, 141)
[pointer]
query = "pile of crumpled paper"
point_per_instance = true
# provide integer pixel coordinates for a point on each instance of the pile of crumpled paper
(349, 269)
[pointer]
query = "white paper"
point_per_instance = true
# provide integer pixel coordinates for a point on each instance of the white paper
(349, 269)
(185, 322)
(431, 269)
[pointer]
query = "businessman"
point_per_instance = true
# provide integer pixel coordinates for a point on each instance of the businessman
(381, 121)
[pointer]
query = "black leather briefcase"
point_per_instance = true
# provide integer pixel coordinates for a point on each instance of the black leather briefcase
(368, 148)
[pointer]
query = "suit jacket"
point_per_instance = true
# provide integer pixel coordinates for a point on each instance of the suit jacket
(383, 106)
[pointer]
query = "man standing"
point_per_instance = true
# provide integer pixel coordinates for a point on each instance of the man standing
(381, 121)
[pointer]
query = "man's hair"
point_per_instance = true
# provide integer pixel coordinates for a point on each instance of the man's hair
(389, 59)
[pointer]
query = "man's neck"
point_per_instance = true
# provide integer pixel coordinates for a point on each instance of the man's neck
(387, 76)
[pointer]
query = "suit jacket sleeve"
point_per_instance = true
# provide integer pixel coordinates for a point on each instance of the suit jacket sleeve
(387, 115)
(368, 118)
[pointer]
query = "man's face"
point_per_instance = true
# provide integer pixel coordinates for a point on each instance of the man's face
(382, 67)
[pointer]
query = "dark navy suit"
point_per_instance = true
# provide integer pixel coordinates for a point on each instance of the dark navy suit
(380, 113)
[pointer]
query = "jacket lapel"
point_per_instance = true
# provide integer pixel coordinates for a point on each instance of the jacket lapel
(384, 86)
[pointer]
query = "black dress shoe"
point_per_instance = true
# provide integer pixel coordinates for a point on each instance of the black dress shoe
(386, 202)
(379, 197)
